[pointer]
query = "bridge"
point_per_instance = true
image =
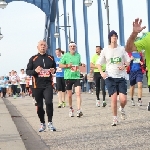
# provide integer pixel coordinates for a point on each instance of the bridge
(51, 31)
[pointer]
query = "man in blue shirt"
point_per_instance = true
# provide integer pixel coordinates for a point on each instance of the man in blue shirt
(136, 75)
(60, 81)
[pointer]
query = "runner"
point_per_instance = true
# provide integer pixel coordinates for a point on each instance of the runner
(71, 62)
(141, 43)
(135, 71)
(90, 78)
(41, 67)
(97, 77)
(14, 82)
(60, 81)
(115, 57)
(22, 77)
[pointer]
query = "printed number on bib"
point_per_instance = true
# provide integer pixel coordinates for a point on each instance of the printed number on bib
(115, 60)
(59, 69)
(136, 60)
(44, 73)
(74, 68)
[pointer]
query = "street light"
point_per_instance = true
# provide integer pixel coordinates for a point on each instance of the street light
(88, 3)
(1, 36)
(56, 35)
(107, 12)
(3, 4)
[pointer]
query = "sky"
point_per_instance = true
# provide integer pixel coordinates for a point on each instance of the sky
(22, 25)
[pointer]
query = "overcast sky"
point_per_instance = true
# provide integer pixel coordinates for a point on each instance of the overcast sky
(22, 26)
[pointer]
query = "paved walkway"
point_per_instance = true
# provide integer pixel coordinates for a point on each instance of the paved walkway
(9, 137)
(93, 131)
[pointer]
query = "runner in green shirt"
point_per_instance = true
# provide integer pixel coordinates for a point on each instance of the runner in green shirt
(71, 61)
(97, 77)
(142, 43)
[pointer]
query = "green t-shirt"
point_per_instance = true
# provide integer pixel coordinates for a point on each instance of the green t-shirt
(94, 60)
(75, 60)
(143, 43)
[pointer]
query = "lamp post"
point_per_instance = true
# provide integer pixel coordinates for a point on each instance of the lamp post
(3, 4)
(88, 3)
(57, 35)
(107, 12)
(1, 36)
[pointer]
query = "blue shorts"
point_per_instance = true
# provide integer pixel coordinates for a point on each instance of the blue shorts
(114, 85)
(136, 76)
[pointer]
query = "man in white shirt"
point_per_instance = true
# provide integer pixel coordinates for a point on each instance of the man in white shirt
(22, 78)
(14, 82)
(116, 59)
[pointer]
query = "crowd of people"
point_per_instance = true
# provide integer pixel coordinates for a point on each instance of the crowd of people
(111, 67)
(16, 85)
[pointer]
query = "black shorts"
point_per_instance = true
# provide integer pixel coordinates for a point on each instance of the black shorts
(70, 82)
(60, 84)
(114, 85)
(3, 90)
(23, 87)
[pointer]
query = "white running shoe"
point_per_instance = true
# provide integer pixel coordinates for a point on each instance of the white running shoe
(123, 115)
(115, 122)
(79, 113)
(51, 127)
(42, 128)
(97, 103)
(71, 112)
(139, 103)
(132, 103)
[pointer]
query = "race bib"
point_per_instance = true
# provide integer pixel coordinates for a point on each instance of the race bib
(74, 68)
(23, 80)
(136, 60)
(115, 60)
(59, 69)
(44, 73)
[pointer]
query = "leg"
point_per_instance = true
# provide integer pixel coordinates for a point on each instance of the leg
(139, 89)
(78, 94)
(132, 91)
(97, 82)
(103, 91)
(112, 90)
(48, 95)
(69, 84)
(59, 89)
(63, 91)
(122, 89)
(38, 93)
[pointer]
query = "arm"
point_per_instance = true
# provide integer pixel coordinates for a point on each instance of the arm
(130, 46)
(62, 63)
(54, 65)
(100, 62)
(30, 70)
(130, 42)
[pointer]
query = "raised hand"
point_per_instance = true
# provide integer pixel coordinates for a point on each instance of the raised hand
(137, 26)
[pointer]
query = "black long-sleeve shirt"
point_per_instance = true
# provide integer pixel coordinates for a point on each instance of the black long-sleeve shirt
(44, 78)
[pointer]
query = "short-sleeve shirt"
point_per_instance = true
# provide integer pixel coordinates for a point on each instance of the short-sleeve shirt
(75, 60)
(114, 58)
(94, 60)
(59, 71)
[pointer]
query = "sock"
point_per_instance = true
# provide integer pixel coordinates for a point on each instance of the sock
(115, 117)
(139, 99)
(132, 99)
